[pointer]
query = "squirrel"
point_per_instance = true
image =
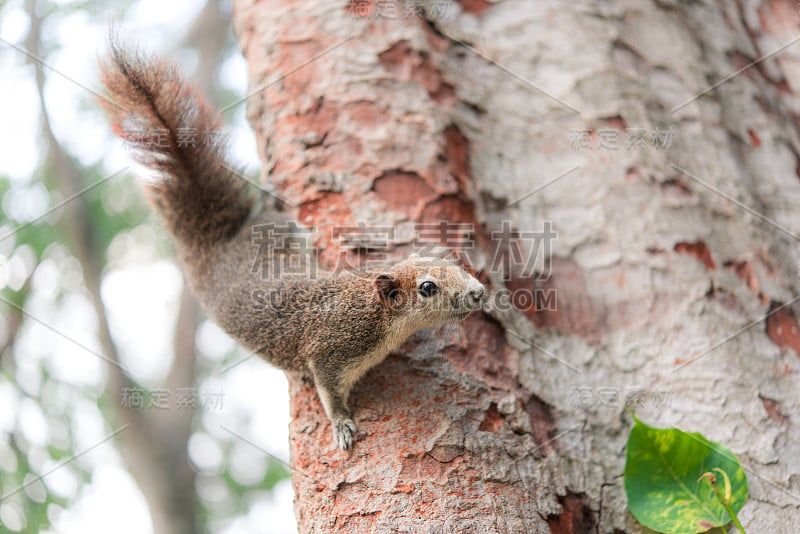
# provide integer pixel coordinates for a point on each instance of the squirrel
(335, 326)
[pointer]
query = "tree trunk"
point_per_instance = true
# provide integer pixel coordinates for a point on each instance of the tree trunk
(666, 288)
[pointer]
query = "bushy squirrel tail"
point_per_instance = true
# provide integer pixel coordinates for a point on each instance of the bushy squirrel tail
(174, 131)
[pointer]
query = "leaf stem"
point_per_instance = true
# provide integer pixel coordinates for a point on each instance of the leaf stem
(735, 519)
(723, 495)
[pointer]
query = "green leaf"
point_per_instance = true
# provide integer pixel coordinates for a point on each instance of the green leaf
(662, 469)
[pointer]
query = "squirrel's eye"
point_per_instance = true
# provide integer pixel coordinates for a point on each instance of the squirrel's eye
(428, 289)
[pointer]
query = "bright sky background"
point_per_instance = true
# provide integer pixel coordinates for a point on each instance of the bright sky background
(140, 290)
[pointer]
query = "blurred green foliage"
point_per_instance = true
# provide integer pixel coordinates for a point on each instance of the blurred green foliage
(113, 207)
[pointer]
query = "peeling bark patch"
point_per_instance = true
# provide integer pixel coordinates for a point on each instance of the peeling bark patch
(435, 39)
(773, 409)
(296, 81)
(484, 352)
(405, 63)
(746, 273)
(632, 174)
(778, 17)
(366, 114)
(677, 186)
(450, 208)
(754, 139)
(457, 154)
(328, 210)
(446, 94)
(313, 124)
(424, 468)
(782, 328)
(699, 250)
(625, 53)
(402, 191)
(475, 7)
(492, 420)
(576, 517)
(319, 119)
(404, 488)
(616, 122)
(676, 193)
(562, 301)
(543, 425)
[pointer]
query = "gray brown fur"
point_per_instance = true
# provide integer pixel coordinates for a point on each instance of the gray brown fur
(336, 326)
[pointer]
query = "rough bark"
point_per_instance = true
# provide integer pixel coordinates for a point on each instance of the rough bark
(666, 290)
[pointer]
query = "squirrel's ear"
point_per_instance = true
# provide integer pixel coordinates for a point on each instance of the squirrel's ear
(388, 287)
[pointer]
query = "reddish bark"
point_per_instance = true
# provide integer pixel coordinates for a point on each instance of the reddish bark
(699, 250)
(430, 433)
(782, 328)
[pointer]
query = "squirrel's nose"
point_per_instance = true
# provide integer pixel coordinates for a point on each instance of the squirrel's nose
(476, 294)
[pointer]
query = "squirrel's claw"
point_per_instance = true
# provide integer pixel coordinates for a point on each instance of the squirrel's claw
(344, 433)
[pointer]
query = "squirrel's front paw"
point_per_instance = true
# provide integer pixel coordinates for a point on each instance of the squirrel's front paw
(344, 432)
